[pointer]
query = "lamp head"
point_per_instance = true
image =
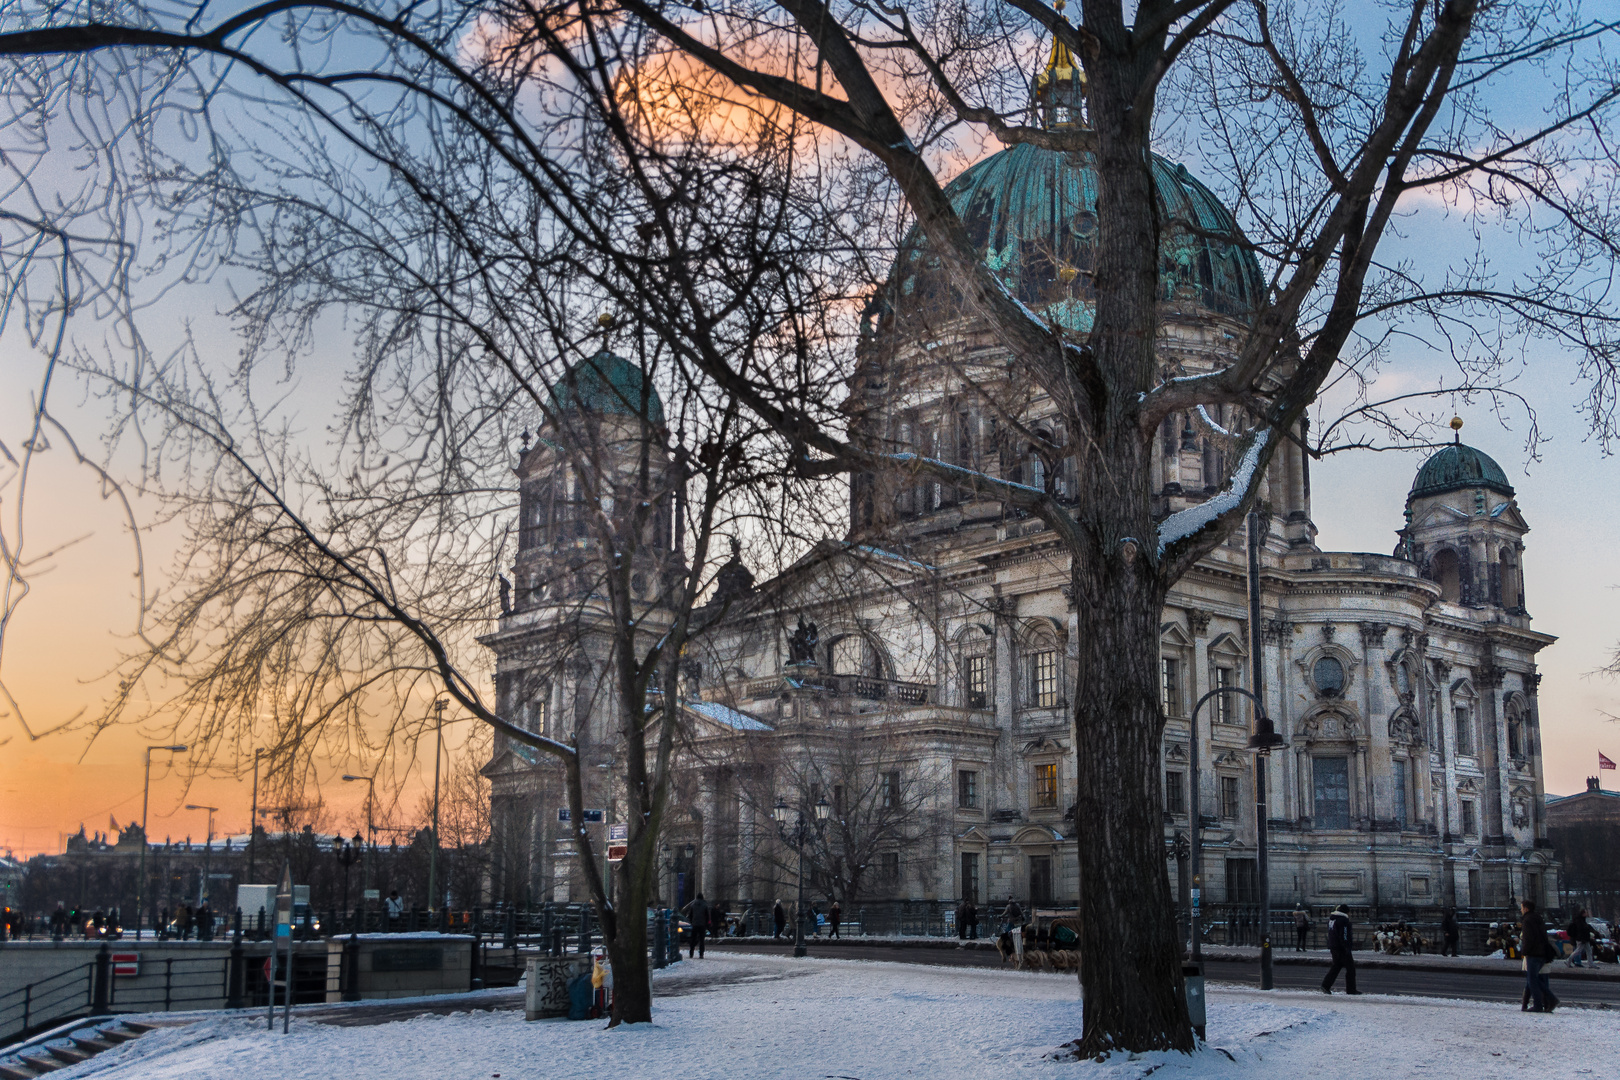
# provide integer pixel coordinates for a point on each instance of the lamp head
(346, 776)
(822, 809)
(1265, 738)
(780, 811)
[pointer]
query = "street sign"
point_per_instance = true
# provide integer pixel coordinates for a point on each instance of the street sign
(617, 852)
(591, 816)
(618, 832)
(373, 894)
(126, 964)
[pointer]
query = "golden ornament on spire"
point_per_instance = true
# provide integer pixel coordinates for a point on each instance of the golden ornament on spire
(1058, 87)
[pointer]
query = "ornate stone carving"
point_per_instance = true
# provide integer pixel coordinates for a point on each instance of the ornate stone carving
(1372, 634)
(1277, 630)
(1402, 727)
(1328, 630)
(1198, 619)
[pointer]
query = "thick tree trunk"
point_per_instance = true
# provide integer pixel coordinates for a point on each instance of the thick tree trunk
(627, 952)
(1130, 973)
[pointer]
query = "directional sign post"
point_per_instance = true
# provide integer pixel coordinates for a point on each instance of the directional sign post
(284, 918)
(591, 817)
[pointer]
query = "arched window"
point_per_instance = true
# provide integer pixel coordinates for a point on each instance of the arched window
(1444, 571)
(1509, 572)
(855, 654)
(1043, 669)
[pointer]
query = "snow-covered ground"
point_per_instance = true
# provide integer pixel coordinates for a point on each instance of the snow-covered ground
(739, 1017)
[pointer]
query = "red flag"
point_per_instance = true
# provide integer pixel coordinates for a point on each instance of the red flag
(1604, 762)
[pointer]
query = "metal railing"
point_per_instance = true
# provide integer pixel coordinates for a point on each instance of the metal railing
(49, 1001)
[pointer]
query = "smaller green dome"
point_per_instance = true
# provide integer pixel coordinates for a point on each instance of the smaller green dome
(607, 384)
(1456, 468)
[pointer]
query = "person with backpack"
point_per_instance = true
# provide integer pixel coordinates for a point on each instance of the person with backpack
(1339, 948)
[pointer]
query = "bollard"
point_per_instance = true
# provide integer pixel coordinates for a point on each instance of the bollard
(236, 973)
(660, 960)
(351, 967)
(101, 1002)
(509, 938)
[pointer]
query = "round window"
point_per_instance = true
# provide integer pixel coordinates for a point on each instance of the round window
(1328, 674)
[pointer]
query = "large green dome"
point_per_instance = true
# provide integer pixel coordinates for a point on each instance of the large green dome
(1032, 212)
(607, 384)
(1457, 468)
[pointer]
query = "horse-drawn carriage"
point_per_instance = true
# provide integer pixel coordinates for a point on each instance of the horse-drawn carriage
(1398, 937)
(1048, 942)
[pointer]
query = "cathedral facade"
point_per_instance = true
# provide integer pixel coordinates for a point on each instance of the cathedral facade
(908, 683)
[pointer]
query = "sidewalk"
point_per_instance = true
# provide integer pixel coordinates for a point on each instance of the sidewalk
(1365, 958)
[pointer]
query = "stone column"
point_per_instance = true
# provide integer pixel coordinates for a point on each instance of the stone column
(709, 854)
(1493, 756)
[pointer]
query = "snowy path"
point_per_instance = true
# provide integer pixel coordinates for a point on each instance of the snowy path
(852, 1020)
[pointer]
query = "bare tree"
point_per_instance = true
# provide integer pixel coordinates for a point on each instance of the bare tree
(1349, 133)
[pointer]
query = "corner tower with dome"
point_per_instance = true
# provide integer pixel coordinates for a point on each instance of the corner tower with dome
(939, 623)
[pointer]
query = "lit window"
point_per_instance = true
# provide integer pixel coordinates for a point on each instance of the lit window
(1046, 786)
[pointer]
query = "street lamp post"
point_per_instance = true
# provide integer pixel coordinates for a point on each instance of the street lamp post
(433, 854)
(253, 815)
(347, 855)
(797, 837)
(1264, 740)
(208, 848)
(371, 829)
(146, 794)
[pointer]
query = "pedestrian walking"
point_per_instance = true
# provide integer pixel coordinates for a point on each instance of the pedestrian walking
(182, 921)
(1449, 932)
(396, 911)
(1012, 916)
(1580, 932)
(835, 915)
(961, 921)
(205, 922)
(1339, 949)
(1537, 952)
(697, 914)
(973, 920)
(1302, 927)
(779, 917)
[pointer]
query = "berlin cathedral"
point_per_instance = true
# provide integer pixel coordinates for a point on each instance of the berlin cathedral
(911, 675)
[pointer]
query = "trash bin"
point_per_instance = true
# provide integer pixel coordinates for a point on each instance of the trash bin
(546, 978)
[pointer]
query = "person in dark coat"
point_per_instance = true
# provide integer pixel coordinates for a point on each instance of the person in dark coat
(779, 917)
(697, 914)
(1580, 932)
(835, 915)
(1302, 927)
(972, 920)
(1449, 932)
(1338, 936)
(1537, 952)
(1012, 917)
